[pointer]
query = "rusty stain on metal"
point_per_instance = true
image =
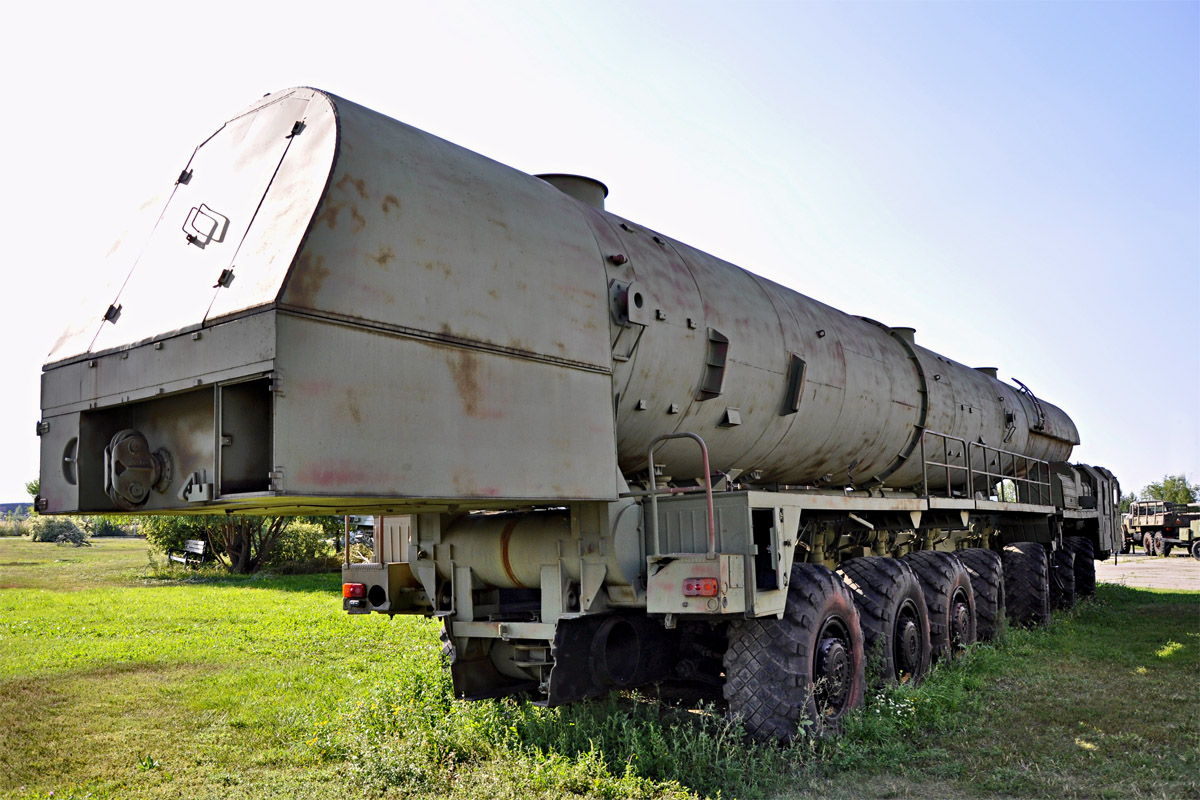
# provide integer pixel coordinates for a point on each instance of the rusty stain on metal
(358, 183)
(352, 407)
(464, 366)
(390, 202)
(306, 279)
(329, 215)
(385, 255)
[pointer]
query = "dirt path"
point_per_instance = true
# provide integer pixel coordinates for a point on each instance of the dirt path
(1151, 572)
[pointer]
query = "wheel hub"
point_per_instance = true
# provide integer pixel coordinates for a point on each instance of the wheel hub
(960, 623)
(831, 676)
(907, 648)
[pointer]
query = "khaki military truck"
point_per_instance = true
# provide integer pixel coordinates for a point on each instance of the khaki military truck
(1160, 526)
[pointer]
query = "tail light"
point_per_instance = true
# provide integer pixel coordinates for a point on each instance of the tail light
(354, 590)
(700, 587)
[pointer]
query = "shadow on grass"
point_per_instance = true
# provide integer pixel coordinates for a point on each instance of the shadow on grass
(321, 582)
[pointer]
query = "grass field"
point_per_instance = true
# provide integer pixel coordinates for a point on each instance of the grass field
(121, 679)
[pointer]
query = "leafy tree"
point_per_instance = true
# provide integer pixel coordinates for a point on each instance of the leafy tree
(1173, 489)
(330, 526)
(1126, 501)
(242, 544)
(33, 488)
(247, 541)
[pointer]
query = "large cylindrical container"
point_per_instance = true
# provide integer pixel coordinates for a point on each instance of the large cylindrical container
(786, 386)
(335, 310)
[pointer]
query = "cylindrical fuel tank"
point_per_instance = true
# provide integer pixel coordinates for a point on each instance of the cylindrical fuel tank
(782, 384)
(785, 386)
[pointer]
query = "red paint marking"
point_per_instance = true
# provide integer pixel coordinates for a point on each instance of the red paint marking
(345, 474)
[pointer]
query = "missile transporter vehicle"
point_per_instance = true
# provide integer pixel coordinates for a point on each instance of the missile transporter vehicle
(600, 457)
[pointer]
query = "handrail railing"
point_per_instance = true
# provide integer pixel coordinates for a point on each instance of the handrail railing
(966, 463)
(951, 468)
(655, 491)
(1026, 472)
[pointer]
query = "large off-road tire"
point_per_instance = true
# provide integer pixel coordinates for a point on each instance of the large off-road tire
(802, 672)
(949, 599)
(1161, 548)
(1026, 583)
(1196, 549)
(1085, 564)
(1062, 579)
(987, 580)
(1148, 544)
(895, 622)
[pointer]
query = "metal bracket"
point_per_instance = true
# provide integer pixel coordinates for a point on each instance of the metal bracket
(204, 226)
(195, 489)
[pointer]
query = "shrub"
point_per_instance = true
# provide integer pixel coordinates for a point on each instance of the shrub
(302, 547)
(172, 533)
(54, 529)
(105, 526)
(14, 527)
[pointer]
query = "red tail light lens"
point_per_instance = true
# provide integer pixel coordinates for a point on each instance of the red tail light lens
(354, 590)
(700, 587)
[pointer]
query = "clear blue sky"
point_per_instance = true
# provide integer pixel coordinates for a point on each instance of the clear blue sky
(1020, 182)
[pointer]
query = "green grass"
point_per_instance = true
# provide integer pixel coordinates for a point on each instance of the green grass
(122, 678)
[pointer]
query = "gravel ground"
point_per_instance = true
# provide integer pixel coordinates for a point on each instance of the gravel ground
(1151, 572)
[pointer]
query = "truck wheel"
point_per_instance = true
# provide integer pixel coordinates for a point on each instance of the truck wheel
(1062, 579)
(949, 598)
(1085, 564)
(1196, 549)
(1161, 548)
(987, 581)
(891, 610)
(1148, 544)
(803, 671)
(1026, 583)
